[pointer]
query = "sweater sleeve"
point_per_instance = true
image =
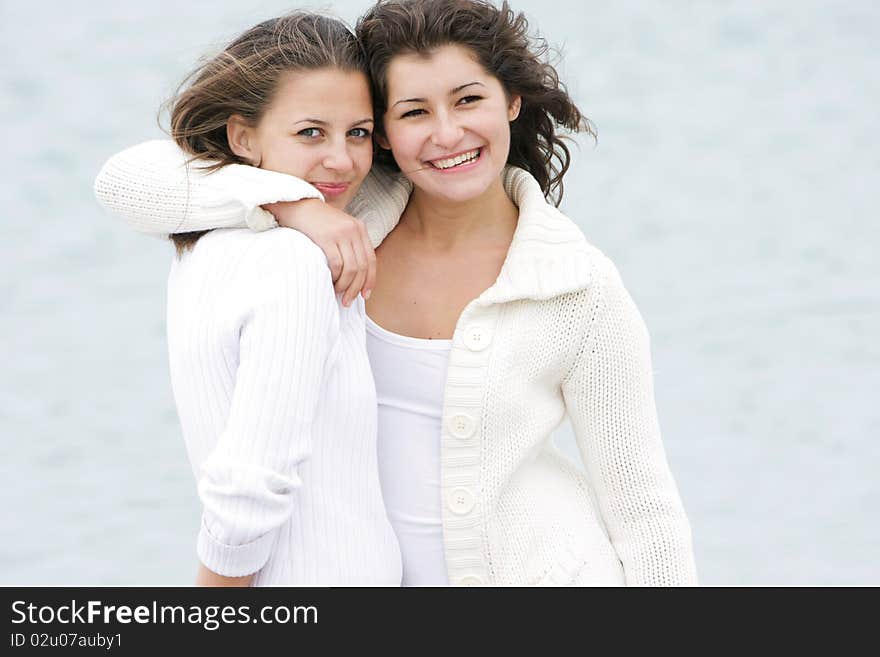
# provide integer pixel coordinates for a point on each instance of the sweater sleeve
(609, 396)
(153, 188)
(380, 201)
(248, 482)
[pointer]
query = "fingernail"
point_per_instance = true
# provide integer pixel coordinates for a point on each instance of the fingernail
(367, 294)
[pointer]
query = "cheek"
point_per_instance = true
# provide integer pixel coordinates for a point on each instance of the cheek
(498, 130)
(405, 141)
(285, 157)
(362, 156)
(500, 123)
(364, 152)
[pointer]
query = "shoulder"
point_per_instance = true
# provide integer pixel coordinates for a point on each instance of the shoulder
(275, 250)
(380, 201)
(549, 256)
(558, 232)
(280, 263)
(289, 249)
(606, 326)
(614, 320)
(543, 228)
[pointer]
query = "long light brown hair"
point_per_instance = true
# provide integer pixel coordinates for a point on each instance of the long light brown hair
(243, 78)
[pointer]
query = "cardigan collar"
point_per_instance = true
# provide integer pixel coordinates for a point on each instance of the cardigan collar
(548, 256)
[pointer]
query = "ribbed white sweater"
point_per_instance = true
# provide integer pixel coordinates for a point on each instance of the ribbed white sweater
(278, 409)
(556, 334)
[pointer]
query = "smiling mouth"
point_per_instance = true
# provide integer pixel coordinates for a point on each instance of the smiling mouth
(457, 160)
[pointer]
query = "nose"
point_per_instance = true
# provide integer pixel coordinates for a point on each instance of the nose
(338, 158)
(447, 132)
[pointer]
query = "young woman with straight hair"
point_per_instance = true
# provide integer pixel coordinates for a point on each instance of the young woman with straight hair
(270, 373)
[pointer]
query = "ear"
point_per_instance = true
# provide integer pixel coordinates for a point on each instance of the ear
(382, 141)
(513, 108)
(240, 136)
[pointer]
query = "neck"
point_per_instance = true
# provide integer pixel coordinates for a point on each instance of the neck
(444, 224)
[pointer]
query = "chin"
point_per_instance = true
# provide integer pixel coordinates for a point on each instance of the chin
(462, 191)
(340, 203)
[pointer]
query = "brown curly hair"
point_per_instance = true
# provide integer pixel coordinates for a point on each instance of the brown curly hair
(499, 39)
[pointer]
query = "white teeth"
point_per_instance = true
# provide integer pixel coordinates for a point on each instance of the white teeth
(458, 159)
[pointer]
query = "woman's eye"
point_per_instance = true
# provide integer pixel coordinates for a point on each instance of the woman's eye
(415, 112)
(361, 133)
(467, 100)
(310, 133)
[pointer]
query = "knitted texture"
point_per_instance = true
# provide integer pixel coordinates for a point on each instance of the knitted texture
(278, 409)
(557, 334)
(152, 186)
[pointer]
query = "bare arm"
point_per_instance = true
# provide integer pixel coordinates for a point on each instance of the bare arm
(206, 577)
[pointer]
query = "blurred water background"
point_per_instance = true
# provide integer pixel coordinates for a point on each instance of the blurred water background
(734, 184)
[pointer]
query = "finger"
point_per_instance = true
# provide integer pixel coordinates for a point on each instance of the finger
(349, 269)
(370, 253)
(358, 283)
(334, 261)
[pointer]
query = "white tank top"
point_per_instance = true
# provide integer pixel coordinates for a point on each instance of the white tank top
(410, 375)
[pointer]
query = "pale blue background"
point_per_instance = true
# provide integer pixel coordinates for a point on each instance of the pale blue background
(734, 184)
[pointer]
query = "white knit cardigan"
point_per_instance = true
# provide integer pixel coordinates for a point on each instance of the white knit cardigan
(556, 334)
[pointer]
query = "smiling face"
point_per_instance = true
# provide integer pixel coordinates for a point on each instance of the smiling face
(318, 127)
(447, 123)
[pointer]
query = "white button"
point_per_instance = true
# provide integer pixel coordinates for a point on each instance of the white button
(460, 501)
(477, 338)
(470, 580)
(462, 426)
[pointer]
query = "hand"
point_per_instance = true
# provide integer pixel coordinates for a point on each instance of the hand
(340, 236)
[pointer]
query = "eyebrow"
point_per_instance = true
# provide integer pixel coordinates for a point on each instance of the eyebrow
(322, 123)
(451, 93)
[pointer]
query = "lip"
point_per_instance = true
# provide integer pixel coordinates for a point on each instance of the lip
(331, 189)
(462, 167)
